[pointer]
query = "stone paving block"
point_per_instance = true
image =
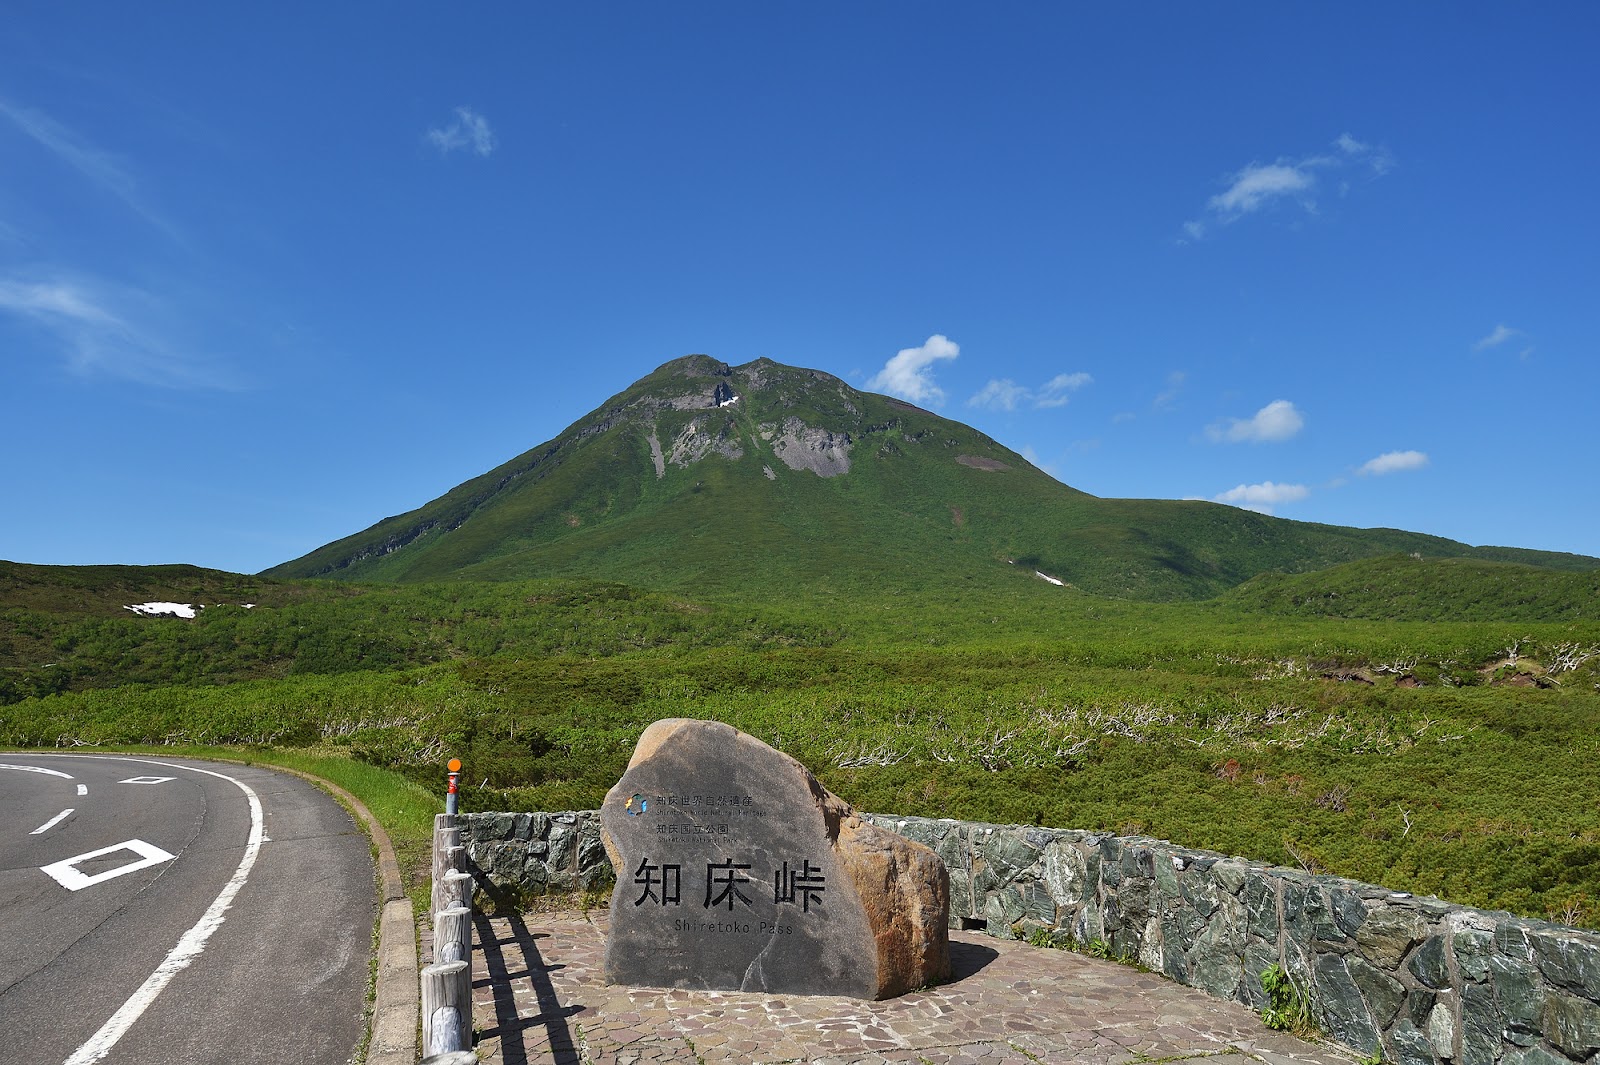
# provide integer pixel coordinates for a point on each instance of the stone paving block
(540, 1000)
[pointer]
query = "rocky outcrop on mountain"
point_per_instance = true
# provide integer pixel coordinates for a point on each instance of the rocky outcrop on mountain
(803, 447)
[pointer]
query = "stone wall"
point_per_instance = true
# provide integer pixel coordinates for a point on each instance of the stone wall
(537, 853)
(1424, 981)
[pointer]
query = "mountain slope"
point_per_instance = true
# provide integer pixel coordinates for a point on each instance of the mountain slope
(778, 480)
(1403, 588)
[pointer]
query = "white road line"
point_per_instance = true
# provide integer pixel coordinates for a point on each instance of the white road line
(189, 947)
(68, 875)
(38, 769)
(52, 823)
(83, 789)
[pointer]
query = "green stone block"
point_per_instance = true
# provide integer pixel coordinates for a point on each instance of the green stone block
(1569, 959)
(1520, 992)
(1428, 964)
(1480, 1035)
(1472, 947)
(1338, 1005)
(1409, 1046)
(1572, 1024)
(1384, 994)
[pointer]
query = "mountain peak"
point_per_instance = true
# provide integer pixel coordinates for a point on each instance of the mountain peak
(705, 474)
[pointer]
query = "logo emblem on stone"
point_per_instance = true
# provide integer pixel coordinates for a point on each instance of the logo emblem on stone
(636, 805)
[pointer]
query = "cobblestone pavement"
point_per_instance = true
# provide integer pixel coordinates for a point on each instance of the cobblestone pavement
(538, 997)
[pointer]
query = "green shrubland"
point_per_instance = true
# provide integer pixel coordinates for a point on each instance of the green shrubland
(1453, 758)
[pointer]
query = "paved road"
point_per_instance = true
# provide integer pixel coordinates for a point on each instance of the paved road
(181, 912)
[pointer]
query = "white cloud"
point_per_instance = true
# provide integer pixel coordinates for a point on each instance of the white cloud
(909, 374)
(1259, 186)
(1059, 389)
(470, 131)
(1264, 496)
(1278, 420)
(100, 167)
(1256, 186)
(1501, 334)
(1394, 462)
(1005, 394)
(103, 331)
(1001, 394)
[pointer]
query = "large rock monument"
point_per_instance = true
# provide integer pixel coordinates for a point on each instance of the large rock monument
(738, 871)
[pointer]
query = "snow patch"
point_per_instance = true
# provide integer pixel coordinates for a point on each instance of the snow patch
(162, 610)
(1053, 580)
(729, 402)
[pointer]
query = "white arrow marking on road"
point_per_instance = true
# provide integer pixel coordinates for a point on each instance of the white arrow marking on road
(48, 825)
(38, 769)
(146, 780)
(70, 877)
(189, 947)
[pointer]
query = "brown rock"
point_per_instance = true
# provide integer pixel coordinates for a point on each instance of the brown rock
(737, 870)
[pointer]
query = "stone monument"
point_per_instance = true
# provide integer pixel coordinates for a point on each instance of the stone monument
(738, 871)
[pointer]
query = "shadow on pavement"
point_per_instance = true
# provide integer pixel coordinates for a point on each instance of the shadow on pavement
(552, 1015)
(969, 959)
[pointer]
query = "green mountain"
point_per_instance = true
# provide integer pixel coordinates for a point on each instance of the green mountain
(777, 481)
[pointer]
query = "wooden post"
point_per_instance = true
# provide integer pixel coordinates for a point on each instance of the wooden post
(443, 840)
(446, 1008)
(455, 889)
(452, 936)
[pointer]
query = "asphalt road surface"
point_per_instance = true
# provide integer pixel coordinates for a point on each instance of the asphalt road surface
(171, 911)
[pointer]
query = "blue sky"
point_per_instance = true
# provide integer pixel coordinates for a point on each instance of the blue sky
(269, 274)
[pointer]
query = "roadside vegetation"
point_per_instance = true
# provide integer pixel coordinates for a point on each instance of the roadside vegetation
(1449, 757)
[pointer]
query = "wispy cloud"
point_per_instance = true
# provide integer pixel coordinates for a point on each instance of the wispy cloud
(1502, 334)
(101, 168)
(1262, 186)
(1393, 462)
(1264, 496)
(909, 374)
(1059, 389)
(1001, 394)
(1278, 420)
(1166, 396)
(1005, 394)
(468, 132)
(102, 331)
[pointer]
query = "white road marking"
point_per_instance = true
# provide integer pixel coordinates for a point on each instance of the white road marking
(189, 947)
(68, 876)
(83, 789)
(48, 825)
(146, 780)
(38, 769)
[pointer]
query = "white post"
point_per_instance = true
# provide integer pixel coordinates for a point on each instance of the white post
(452, 936)
(446, 1008)
(443, 840)
(455, 889)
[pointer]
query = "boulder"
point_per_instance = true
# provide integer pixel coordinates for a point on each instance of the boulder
(737, 870)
